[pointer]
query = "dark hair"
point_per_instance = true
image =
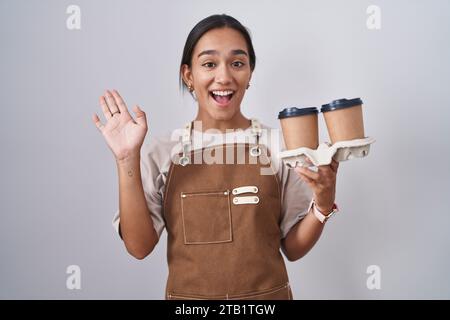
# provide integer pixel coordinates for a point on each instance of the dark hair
(214, 22)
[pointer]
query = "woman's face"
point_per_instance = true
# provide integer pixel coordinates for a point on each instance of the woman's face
(220, 73)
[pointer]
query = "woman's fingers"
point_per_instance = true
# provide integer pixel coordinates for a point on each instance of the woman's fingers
(325, 169)
(334, 165)
(119, 101)
(308, 161)
(308, 173)
(305, 178)
(330, 168)
(97, 122)
(105, 109)
(141, 118)
(111, 103)
(312, 183)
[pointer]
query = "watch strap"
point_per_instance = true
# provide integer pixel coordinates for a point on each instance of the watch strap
(319, 215)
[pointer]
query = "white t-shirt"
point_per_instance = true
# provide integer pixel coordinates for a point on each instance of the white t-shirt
(156, 157)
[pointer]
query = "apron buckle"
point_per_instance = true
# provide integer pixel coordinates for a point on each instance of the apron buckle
(255, 151)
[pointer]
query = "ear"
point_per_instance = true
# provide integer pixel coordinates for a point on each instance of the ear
(187, 75)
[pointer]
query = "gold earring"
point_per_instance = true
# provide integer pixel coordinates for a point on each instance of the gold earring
(190, 88)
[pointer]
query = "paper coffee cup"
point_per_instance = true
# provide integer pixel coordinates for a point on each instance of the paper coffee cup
(300, 127)
(344, 119)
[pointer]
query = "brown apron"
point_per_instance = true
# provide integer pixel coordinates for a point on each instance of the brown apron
(223, 228)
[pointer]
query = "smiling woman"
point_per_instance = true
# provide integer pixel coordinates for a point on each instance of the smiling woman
(226, 222)
(217, 65)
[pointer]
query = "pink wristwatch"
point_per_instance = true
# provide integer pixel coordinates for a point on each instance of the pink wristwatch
(319, 215)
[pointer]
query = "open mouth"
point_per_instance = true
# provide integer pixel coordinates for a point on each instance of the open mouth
(222, 97)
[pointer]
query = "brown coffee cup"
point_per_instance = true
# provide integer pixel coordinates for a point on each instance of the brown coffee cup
(300, 127)
(344, 119)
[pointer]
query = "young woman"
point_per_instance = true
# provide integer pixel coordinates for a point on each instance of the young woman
(225, 222)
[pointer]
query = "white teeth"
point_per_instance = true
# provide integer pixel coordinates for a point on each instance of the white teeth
(223, 93)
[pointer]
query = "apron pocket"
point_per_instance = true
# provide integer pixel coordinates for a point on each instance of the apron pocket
(206, 217)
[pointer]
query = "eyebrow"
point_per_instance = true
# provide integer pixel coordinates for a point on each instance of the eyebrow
(215, 52)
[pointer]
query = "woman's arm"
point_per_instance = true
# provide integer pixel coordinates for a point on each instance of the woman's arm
(302, 237)
(136, 225)
(125, 136)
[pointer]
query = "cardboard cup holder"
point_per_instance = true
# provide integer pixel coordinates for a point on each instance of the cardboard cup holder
(340, 151)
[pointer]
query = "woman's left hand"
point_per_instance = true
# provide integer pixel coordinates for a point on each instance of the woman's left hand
(323, 184)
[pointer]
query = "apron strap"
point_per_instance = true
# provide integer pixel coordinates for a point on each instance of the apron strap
(255, 151)
(186, 142)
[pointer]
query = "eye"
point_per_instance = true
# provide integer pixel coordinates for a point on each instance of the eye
(238, 64)
(209, 64)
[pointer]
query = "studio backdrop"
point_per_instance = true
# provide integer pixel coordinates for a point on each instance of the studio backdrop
(59, 184)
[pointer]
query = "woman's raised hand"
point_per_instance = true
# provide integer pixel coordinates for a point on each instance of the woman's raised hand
(123, 134)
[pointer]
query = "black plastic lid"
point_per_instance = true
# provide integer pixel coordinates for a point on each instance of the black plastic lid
(295, 112)
(341, 104)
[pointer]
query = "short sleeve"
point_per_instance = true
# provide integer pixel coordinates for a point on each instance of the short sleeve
(153, 178)
(296, 199)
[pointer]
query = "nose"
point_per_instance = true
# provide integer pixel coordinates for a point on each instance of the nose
(223, 75)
